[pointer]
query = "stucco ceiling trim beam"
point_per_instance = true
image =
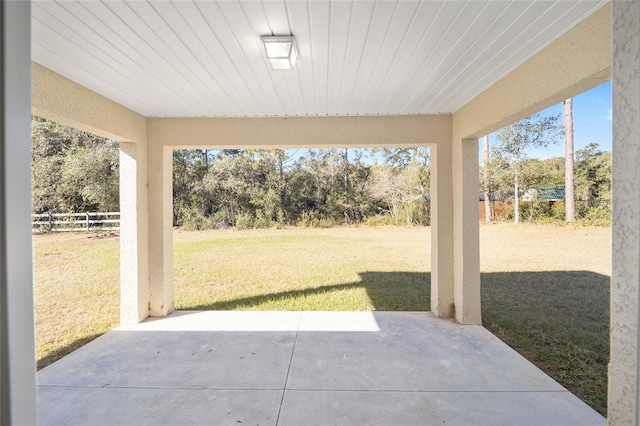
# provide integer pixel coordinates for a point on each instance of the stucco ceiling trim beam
(308, 132)
(57, 98)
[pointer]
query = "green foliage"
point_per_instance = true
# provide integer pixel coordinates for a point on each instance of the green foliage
(536, 131)
(379, 220)
(541, 210)
(321, 188)
(597, 215)
(193, 220)
(510, 169)
(244, 221)
(76, 171)
(72, 171)
(534, 210)
(401, 192)
(311, 219)
(593, 185)
(558, 211)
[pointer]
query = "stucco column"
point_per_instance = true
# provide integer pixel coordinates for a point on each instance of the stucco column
(160, 167)
(623, 398)
(442, 303)
(17, 354)
(134, 235)
(466, 244)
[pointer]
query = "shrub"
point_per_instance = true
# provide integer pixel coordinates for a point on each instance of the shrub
(312, 219)
(244, 221)
(558, 211)
(322, 223)
(534, 210)
(379, 220)
(192, 219)
(599, 215)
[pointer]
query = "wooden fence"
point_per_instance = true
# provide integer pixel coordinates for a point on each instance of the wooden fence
(75, 222)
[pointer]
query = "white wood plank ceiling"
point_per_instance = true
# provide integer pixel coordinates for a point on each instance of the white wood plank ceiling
(205, 58)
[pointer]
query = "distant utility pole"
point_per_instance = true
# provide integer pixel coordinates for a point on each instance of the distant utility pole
(569, 188)
(487, 184)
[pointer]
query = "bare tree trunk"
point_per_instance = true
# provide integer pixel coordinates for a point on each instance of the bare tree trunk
(569, 188)
(487, 183)
(346, 185)
(516, 206)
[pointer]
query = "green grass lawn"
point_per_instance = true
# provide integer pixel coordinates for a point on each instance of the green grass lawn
(544, 288)
(340, 269)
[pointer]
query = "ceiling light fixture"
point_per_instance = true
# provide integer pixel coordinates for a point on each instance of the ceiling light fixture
(281, 51)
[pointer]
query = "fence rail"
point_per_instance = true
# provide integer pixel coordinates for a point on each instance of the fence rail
(75, 222)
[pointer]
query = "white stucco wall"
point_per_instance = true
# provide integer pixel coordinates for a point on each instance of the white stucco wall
(17, 349)
(134, 233)
(624, 398)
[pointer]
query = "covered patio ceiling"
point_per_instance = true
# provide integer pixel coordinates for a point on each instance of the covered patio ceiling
(205, 58)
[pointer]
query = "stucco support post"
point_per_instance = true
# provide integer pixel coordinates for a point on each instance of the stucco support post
(442, 304)
(134, 235)
(466, 244)
(624, 379)
(160, 168)
(17, 354)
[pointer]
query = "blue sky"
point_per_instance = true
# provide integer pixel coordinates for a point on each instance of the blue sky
(591, 123)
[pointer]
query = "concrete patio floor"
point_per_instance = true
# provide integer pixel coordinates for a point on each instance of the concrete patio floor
(302, 368)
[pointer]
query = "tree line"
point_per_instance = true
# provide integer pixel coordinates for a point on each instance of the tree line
(320, 188)
(582, 178)
(72, 171)
(75, 171)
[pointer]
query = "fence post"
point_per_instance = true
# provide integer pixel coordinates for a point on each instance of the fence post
(50, 223)
(87, 216)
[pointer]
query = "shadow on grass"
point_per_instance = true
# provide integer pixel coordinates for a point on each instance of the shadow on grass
(388, 291)
(58, 353)
(559, 320)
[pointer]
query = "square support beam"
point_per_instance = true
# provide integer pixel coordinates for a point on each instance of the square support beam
(624, 377)
(466, 232)
(160, 216)
(17, 353)
(442, 303)
(134, 233)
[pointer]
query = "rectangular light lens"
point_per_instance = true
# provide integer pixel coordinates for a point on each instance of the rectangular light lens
(281, 51)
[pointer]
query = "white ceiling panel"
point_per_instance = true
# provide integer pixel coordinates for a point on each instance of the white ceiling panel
(204, 58)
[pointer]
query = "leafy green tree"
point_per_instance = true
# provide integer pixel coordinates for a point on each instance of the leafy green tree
(536, 173)
(89, 179)
(264, 188)
(190, 199)
(536, 131)
(72, 171)
(229, 184)
(593, 182)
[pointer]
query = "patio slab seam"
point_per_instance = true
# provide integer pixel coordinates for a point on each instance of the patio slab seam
(286, 379)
